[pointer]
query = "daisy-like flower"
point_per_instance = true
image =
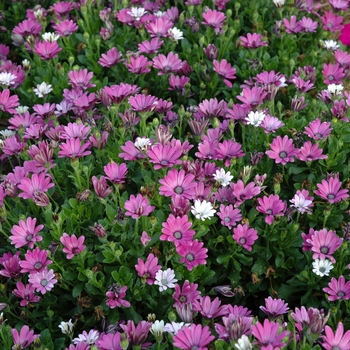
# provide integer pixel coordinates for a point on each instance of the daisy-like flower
(35, 261)
(243, 342)
(43, 89)
(322, 267)
(253, 41)
(24, 338)
(148, 270)
(74, 148)
(245, 236)
(174, 327)
(193, 337)
(187, 294)
(229, 216)
(137, 206)
(336, 340)
(301, 203)
(271, 124)
(214, 19)
(7, 79)
(26, 293)
(330, 190)
(193, 255)
(337, 289)
(137, 12)
(279, 3)
(116, 295)
(177, 230)
(255, 118)
(176, 34)
(165, 279)
(317, 130)
(271, 206)
(43, 281)
(26, 233)
(309, 152)
(88, 338)
(222, 177)
(51, 37)
(330, 45)
(8, 103)
(335, 89)
(282, 150)
(72, 244)
(202, 209)
(164, 156)
(274, 307)
(177, 183)
(67, 327)
(225, 71)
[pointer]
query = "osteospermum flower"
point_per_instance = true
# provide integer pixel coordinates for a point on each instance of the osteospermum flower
(187, 294)
(202, 209)
(43, 281)
(317, 130)
(35, 261)
(245, 236)
(225, 71)
(26, 233)
(43, 89)
(336, 340)
(309, 152)
(147, 270)
(116, 295)
(301, 203)
(229, 216)
(337, 289)
(26, 293)
(222, 177)
(67, 327)
(24, 338)
(164, 156)
(255, 118)
(193, 337)
(177, 230)
(282, 150)
(322, 267)
(253, 41)
(137, 206)
(193, 255)
(330, 190)
(8, 103)
(167, 64)
(177, 183)
(87, 338)
(47, 50)
(165, 279)
(74, 148)
(274, 307)
(72, 244)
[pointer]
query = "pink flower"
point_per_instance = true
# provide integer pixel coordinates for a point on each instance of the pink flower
(150, 47)
(147, 270)
(13, 145)
(143, 103)
(193, 255)
(35, 261)
(345, 35)
(116, 173)
(339, 4)
(312, 320)
(309, 152)
(188, 294)
(228, 150)
(145, 238)
(26, 233)
(253, 41)
(317, 130)
(177, 183)
(214, 19)
(139, 65)
(10, 262)
(245, 236)
(235, 326)
(337, 340)
(137, 335)
(282, 150)
(292, 26)
(108, 341)
(27, 27)
(324, 243)
(73, 148)
(333, 73)
(242, 193)
(167, 64)
(23, 339)
(75, 130)
(100, 186)
(225, 71)
(35, 188)
(308, 25)
(7, 103)
(338, 289)
(65, 27)
(115, 296)
(229, 216)
(47, 50)
(211, 308)
(330, 190)
(164, 156)
(274, 307)
(178, 83)
(302, 202)
(271, 206)
(159, 27)
(211, 108)
(332, 22)
(26, 293)
(131, 152)
(253, 97)
(267, 334)
(177, 230)
(192, 337)
(138, 206)
(43, 281)
(110, 58)
(80, 78)
(271, 124)
(72, 244)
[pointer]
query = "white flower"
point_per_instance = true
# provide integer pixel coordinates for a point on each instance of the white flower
(7, 133)
(43, 89)
(67, 327)
(157, 328)
(243, 343)
(255, 118)
(159, 14)
(222, 177)
(330, 45)
(202, 210)
(335, 89)
(165, 279)
(89, 338)
(176, 34)
(22, 109)
(142, 143)
(26, 64)
(7, 78)
(137, 12)
(301, 203)
(322, 267)
(174, 327)
(279, 3)
(50, 37)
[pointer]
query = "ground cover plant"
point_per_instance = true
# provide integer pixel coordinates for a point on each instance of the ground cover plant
(174, 174)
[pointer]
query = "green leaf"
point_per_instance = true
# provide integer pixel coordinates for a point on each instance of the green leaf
(78, 289)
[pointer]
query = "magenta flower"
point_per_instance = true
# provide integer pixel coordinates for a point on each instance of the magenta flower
(242, 193)
(131, 152)
(110, 58)
(167, 64)
(338, 289)
(225, 71)
(324, 243)
(188, 294)
(101, 188)
(7, 103)
(330, 190)
(252, 98)
(116, 295)
(75, 131)
(253, 41)
(177, 183)
(293, 26)
(164, 156)
(178, 83)
(267, 334)
(229, 216)
(109, 341)
(24, 338)
(73, 148)
(26, 293)
(193, 255)
(282, 150)
(317, 130)
(13, 145)
(177, 230)
(26, 233)
(35, 261)
(245, 236)
(147, 270)
(143, 103)
(159, 27)
(214, 19)
(47, 50)
(35, 188)
(27, 27)
(235, 326)
(337, 340)
(80, 78)
(211, 308)
(339, 4)
(309, 152)
(345, 35)
(271, 124)
(302, 202)
(332, 21)
(228, 150)
(313, 320)
(65, 27)
(271, 206)
(138, 206)
(274, 307)
(43, 281)
(11, 264)
(308, 25)
(136, 335)
(139, 65)
(193, 337)
(333, 73)
(150, 47)
(72, 244)
(211, 109)
(116, 173)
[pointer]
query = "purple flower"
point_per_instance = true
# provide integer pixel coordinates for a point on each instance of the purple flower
(26, 293)
(72, 244)
(43, 280)
(26, 233)
(267, 334)
(137, 206)
(330, 190)
(337, 289)
(177, 183)
(193, 255)
(24, 338)
(282, 150)
(116, 295)
(337, 340)
(229, 216)
(245, 236)
(167, 64)
(271, 206)
(214, 19)
(253, 41)
(225, 71)
(274, 307)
